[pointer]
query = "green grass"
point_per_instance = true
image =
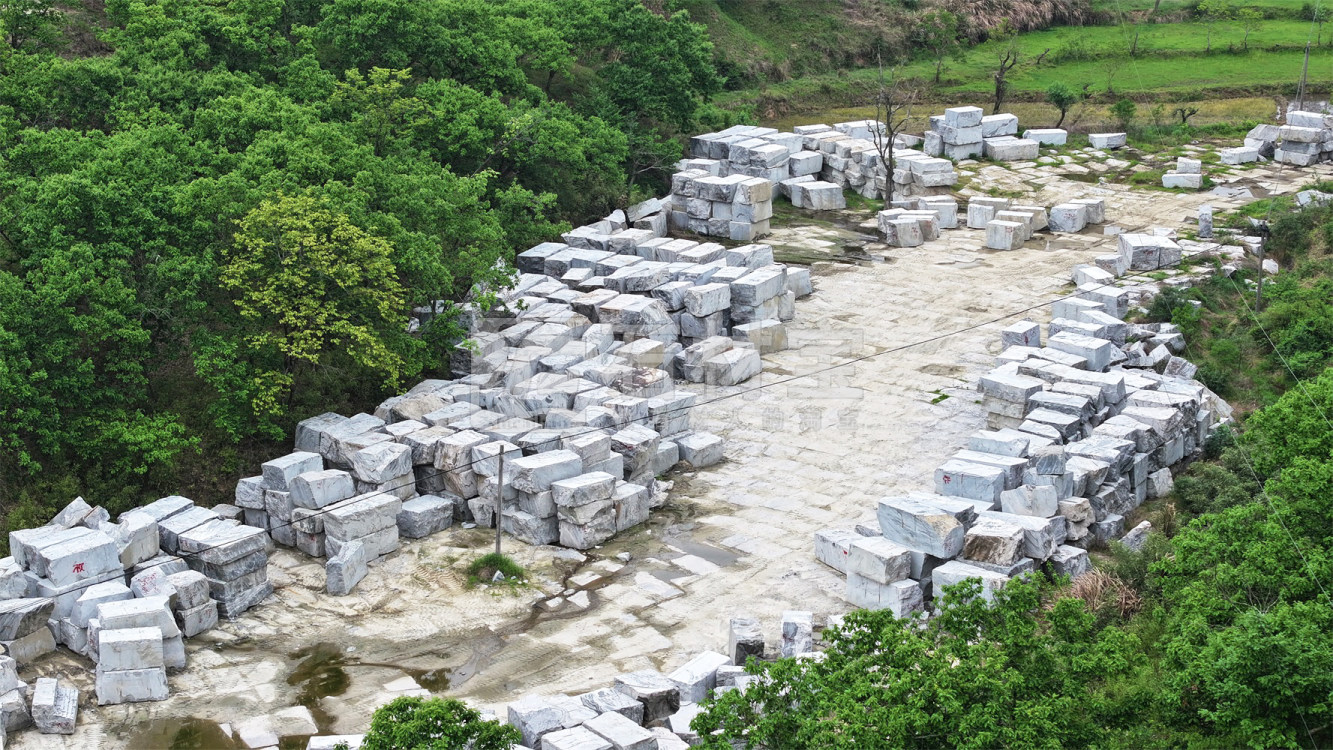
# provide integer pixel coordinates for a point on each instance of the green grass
(484, 568)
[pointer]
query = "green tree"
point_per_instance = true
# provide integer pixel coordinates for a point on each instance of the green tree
(412, 723)
(1295, 427)
(1250, 20)
(939, 32)
(31, 24)
(1015, 674)
(309, 283)
(1212, 11)
(1123, 111)
(1062, 96)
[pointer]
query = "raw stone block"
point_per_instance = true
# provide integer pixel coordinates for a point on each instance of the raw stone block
(698, 676)
(658, 694)
(920, 526)
(344, 570)
(744, 639)
(131, 686)
(55, 706)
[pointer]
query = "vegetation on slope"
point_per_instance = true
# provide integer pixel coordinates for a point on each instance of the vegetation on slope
(217, 220)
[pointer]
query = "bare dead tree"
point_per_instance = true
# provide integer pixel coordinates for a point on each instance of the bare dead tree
(1008, 60)
(893, 109)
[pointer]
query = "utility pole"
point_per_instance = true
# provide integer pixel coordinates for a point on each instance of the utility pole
(500, 496)
(1305, 72)
(1259, 290)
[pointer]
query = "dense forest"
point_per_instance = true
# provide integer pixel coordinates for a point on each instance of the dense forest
(216, 219)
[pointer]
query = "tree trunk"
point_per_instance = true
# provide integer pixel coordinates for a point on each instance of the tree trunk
(1060, 121)
(1134, 48)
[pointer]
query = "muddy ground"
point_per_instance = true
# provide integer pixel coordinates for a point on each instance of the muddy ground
(804, 452)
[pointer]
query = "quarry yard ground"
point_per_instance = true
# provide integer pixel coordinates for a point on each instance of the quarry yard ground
(802, 454)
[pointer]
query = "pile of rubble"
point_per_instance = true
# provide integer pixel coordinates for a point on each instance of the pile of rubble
(570, 383)
(1081, 431)
(124, 595)
(1007, 225)
(649, 709)
(1306, 139)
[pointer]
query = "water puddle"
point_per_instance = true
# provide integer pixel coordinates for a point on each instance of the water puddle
(181, 734)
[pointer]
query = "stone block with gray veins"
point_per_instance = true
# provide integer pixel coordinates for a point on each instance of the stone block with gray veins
(994, 542)
(1031, 500)
(317, 489)
(879, 560)
(534, 717)
(279, 472)
(574, 738)
(538, 472)
(955, 572)
(361, 516)
(1040, 535)
(345, 570)
(622, 733)
(745, 638)
(658, 694)
(19, 617)
(130, 648)
(55, 706)
(797, 633)
(131, 686)
(426, 515)
(920, 526)
(610, 699)
(698, 676)
(382, 462)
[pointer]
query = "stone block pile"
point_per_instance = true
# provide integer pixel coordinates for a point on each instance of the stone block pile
(1305, 139)
(570, 383)
(651, 709)
(169, 548)
(1081, 430)
(1007, 225)
(734, 206)
(811, 166)
(125, 595)
(965, 133)
(1187, 174)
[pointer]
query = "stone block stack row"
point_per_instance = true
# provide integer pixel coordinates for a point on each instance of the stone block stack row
(59, 574)
(811, 166)
(957, 134)
(652, 709)
(1305, 139)
(570, 382)
(1007, 225)
(1081, 431)
(734, 207)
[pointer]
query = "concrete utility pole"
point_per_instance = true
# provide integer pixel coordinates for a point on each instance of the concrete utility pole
(499, 499)
(1305, 72)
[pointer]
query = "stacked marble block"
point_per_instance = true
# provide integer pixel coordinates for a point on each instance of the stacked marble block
(1187, 174)
(958, 134)
(910, 227)
(734, 206)
(649, 709)
(57, 569)
(1305, 139)
(1081, 432)
(1009, 225)
(580, 358)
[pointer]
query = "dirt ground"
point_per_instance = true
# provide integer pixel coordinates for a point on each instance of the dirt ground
(802, 454)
